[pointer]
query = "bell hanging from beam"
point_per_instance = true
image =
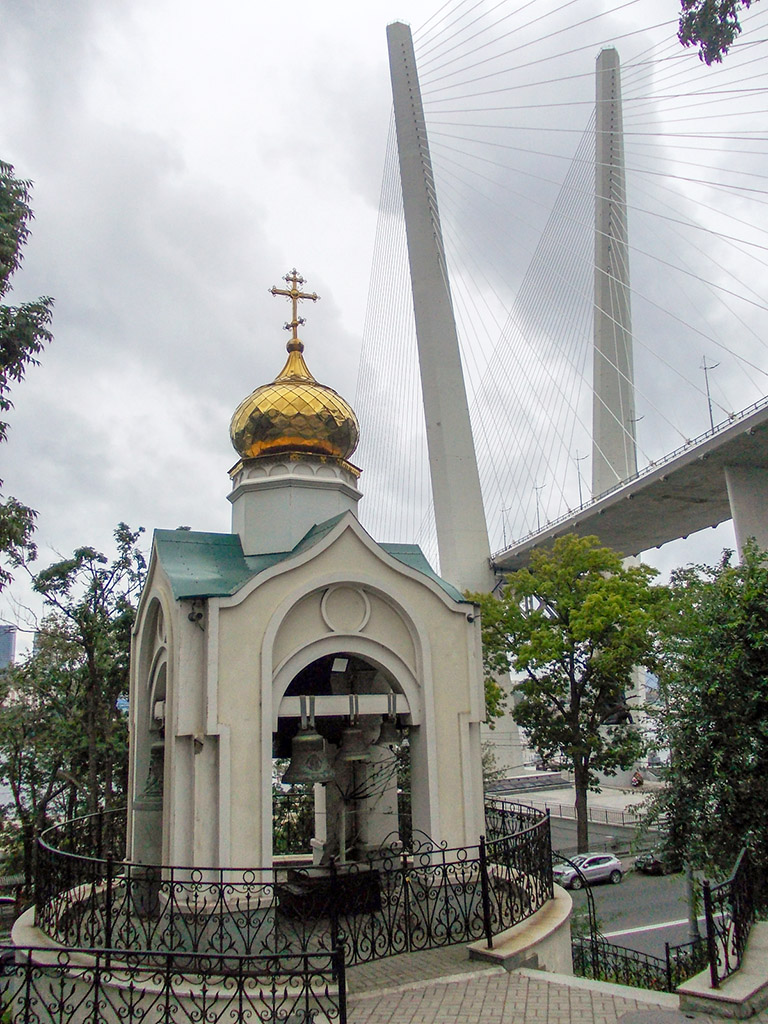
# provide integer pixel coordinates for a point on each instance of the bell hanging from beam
(390, 735)
(353, 745)
(309, 759)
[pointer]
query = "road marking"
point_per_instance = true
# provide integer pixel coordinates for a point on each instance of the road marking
(648, 928)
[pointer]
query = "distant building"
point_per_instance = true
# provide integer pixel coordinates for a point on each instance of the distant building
(7, 645)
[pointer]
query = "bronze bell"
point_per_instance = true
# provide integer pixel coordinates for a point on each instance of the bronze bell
(309, 760)
(353, 746)
(389, 734)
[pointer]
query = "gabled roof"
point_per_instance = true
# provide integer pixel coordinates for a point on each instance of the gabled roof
(213, 564)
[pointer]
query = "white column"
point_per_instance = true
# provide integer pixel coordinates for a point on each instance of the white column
(748, 497)
(614, 453)
(460, 519)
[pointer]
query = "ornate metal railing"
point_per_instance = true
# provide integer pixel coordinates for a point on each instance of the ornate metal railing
(597, 958)
(685, 960)
(84, 986)
(394, 901)
(729, 911)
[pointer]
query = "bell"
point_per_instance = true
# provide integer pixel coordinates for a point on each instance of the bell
(390, 735)
(353, 746)
(309, 761)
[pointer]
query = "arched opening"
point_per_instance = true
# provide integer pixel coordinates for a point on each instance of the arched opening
(149, 739)
(345, 719)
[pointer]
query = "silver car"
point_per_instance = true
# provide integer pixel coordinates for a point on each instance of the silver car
(595, 867)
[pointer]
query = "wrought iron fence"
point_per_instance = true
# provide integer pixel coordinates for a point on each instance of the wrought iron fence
(597, 958)
(729, 911)
(685, 960)
(396, 900)
(84, 986)
(518, 852)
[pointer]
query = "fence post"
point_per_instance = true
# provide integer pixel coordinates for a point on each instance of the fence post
(167, 986)
(341, 979)
(108, 909)
(406, 903)
(709, 919)
(96, 989)
(485, 894)
(669, 967)
(334, 893)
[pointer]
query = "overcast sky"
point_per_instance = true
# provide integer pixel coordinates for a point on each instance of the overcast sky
(184, 157)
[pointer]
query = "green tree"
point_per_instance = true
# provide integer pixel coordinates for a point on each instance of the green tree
(572, 627)
(39, 735)
(92, 610)
(63, 719)
(714, 688)
(712, 25)
(24, 331)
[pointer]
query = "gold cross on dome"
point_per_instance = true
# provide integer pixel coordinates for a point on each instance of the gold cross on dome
(295, 280)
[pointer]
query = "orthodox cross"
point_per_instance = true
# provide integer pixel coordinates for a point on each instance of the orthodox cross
(294, 279)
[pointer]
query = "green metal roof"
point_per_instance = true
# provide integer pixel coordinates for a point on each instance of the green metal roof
(202, 564)
(413, 556)
(213, 564)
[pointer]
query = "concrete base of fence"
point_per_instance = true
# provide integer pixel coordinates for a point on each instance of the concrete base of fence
(742, 995)
(26, 933)
(542, 941)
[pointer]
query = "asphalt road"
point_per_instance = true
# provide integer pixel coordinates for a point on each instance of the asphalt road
(641, 913)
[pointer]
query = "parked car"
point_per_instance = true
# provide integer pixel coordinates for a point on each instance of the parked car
(595, 867)
(657, 862)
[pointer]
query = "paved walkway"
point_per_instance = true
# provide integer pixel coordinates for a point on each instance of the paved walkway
(445, 987)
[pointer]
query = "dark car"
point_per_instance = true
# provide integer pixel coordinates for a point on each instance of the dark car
(657, 862)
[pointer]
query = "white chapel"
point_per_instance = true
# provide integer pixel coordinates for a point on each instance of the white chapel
(298, 635)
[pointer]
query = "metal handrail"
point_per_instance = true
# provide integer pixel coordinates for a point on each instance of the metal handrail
(729, 912)
(396, 901)
(42, 983)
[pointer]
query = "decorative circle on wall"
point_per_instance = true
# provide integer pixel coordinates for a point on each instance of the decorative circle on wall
(345, 609)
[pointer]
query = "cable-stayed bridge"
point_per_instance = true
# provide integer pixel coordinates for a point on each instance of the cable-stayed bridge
(509, 108)
(688, 490)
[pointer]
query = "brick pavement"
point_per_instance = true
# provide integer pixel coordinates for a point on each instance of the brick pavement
(445, 987)
(411, 968)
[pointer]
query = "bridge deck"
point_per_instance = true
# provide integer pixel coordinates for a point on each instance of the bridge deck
(684, 493)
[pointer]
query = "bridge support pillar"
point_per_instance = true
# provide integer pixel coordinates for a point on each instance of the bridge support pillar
(748, 498)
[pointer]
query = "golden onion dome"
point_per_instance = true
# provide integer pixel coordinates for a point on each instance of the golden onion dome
(294, 414)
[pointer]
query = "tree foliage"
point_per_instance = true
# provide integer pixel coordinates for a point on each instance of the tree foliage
(38, 736)
(24, 332)
(573, 626)
(712, 25)
(63, 723)
(714, 687)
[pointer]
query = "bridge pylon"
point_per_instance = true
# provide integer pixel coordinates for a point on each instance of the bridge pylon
(614, 447)
(462, 534)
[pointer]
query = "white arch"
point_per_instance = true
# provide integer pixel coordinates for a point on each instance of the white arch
(416, 686)
(360, 646)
